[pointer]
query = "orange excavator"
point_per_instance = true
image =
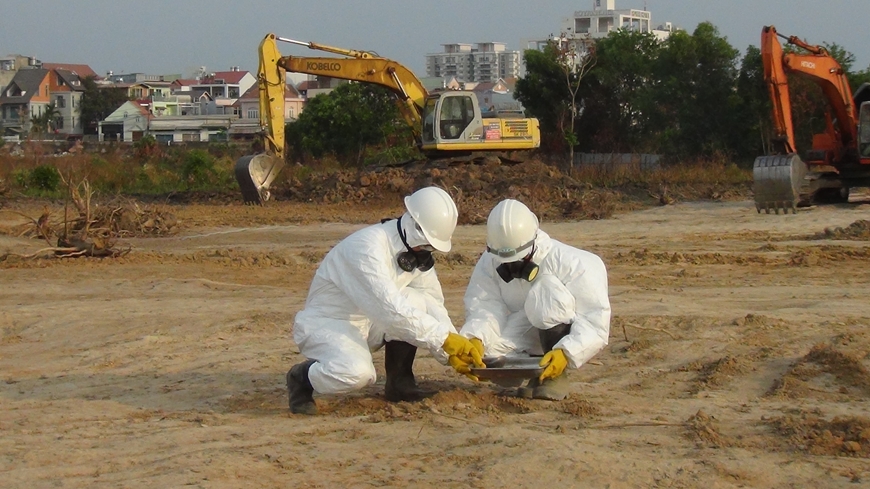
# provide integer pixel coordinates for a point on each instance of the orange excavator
(840, 156)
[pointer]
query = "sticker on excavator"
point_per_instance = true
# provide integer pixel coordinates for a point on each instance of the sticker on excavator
(493, 131)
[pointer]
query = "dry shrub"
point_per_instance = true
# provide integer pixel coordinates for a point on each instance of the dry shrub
(591, 204)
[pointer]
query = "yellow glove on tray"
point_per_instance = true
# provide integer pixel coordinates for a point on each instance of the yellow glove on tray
(478, 345)
(555, 363)
(463, 353)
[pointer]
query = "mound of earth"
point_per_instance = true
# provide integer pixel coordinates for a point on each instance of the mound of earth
(858, 230)
(552, 194)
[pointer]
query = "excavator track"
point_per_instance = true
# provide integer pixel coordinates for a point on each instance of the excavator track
(778, 183)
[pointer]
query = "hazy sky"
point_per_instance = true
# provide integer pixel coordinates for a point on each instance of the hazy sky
(178, 36)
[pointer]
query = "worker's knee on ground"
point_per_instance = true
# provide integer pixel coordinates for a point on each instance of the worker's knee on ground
(549, 303)
(346, 375)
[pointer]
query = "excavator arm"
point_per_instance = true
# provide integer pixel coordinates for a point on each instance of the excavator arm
(820, 67)
(363, 66)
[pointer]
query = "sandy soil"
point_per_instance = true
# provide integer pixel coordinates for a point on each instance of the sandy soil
(738, 357)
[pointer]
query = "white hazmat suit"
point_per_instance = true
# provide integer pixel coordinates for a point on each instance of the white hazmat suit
(570, 288)
(359, 299)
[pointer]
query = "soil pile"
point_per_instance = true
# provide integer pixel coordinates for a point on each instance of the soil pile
(549, 192)
(858, 230)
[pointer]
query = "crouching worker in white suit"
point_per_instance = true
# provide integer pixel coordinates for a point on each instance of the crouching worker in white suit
(378, 287)
(532, 295)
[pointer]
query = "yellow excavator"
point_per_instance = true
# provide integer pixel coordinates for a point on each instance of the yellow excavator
(448, 123)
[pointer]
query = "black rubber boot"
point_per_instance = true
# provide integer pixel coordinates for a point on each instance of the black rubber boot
(557, 388)
(399, 363)
(300, 390)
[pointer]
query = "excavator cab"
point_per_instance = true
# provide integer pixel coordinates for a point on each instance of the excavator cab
(864, 130)
(450, 118)
(453, 122)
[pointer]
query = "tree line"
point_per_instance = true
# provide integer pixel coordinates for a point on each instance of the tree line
(690, 96)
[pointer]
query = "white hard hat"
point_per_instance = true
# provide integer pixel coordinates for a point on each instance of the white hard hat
(510, 231)
(435, 212)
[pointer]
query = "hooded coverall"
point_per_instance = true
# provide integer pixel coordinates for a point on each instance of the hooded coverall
(570, 288)
(359, 299)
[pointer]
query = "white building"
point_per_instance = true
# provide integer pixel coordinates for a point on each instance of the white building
(604, 19)
(586, 26)
(483, 62)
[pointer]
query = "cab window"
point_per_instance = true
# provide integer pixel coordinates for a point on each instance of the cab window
(456, 114)
(864, 130)
(429, 119)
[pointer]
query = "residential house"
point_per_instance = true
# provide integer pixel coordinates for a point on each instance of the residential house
(66, 90)
(496, 98)
(248, 108)
(190, 128)
(225, 87)
(26, 96)
(303, 87)
(129, 122)
(80, 70)
(9, 65)
(140, 78)
(183, 84)
(132, 121)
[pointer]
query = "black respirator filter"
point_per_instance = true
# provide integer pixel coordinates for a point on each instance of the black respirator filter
(524, 269)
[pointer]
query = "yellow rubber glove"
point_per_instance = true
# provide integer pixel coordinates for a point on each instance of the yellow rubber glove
(478, 345)
(462, 354)
(555, 363)
(462, 367)
(462, 347)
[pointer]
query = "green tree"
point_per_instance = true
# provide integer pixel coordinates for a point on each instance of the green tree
(576, 59)
(97, 103)
(346, 122)
(44, 122)
(847, 62)
(696, 77)
(619, 107)
(542, 91)
(754, 109)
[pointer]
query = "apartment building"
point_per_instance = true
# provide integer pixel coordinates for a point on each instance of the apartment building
(481, 62)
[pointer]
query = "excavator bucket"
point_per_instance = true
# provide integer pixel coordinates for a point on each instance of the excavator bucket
(777, 182)
(255, 174)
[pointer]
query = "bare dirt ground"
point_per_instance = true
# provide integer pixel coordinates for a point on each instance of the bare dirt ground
(738, 357)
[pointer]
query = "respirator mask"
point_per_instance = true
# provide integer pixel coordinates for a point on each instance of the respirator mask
(524, 269)
(409, 260)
